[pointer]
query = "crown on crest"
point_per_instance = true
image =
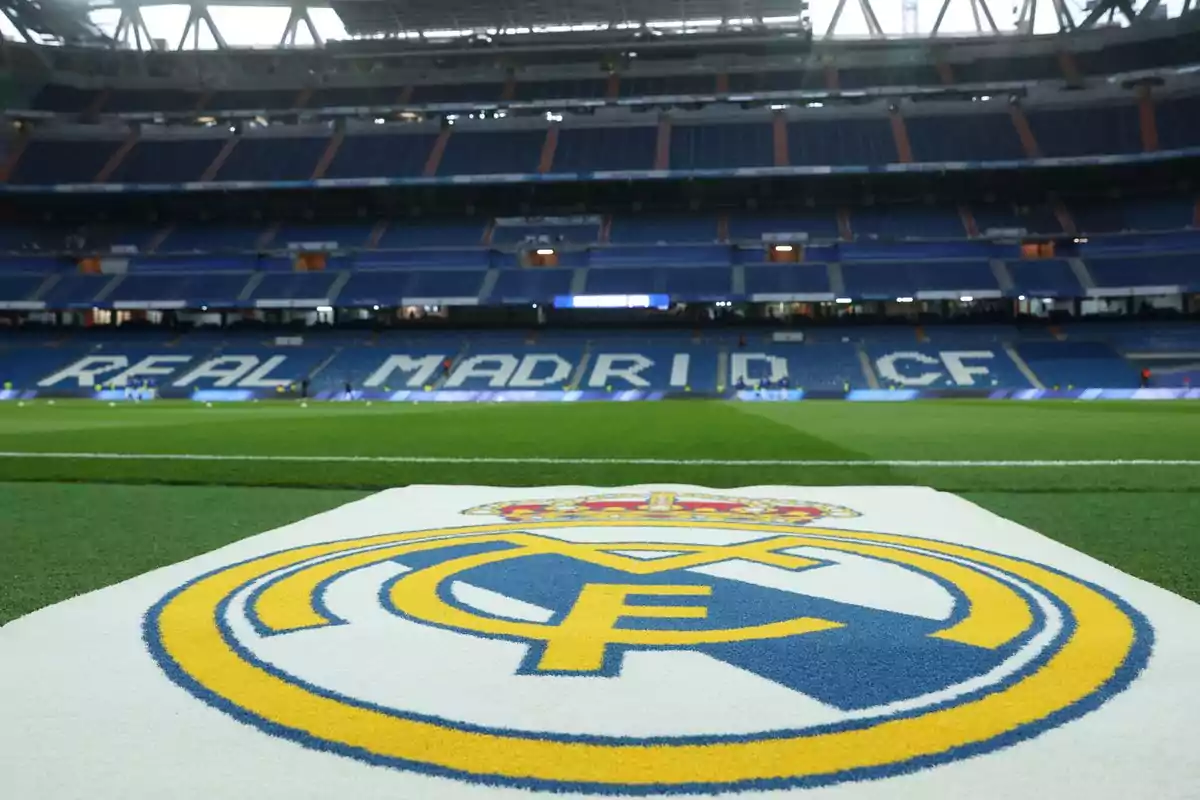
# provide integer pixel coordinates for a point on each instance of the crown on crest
(699, 508)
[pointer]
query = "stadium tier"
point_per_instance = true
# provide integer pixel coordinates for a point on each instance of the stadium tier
(486, 181)
(683, 142)
(980, 358)
(683, 258)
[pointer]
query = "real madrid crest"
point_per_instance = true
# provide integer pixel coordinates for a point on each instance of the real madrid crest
(648, 644)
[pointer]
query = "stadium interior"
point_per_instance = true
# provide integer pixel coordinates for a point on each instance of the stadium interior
(694, 208)
(265, 258)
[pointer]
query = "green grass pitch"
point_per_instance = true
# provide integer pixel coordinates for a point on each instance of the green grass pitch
(75, 524)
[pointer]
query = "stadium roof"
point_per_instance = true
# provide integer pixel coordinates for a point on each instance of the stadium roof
(267, 23)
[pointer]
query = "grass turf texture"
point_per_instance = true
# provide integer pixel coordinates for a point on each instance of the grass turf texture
(684, 431)
(71, 533)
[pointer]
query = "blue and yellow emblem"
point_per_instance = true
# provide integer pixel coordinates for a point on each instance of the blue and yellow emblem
(508, 648)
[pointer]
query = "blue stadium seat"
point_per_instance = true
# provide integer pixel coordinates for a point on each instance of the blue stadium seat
(577, 88)
(373, 288)
(184, 238)
(1113, 215)
(806, 366)
(1086, 130)
(354, 96)
(345, 235)
(411, 259)
(817, 223)
(890, 279)
(75, 290)
(623, 281)
(457, 93)
(474, 152)
(663, 230)
(531, 285)
(907, 221)
(572, 234)
(845, 142)
(650, 365)
(57, 97)
(399, 155)
(442, 284)
(1176, 118)
(908, 365)
(33, 238)
(698, 283)
(197, 288)
(662, 255)
(640, 85)
(721, 146)
(157, 161)
(1079, 364)
(295, 286)
(1162, 270)
(193, 263)
(1033, 218)
(1049, 277)
(274, 158)
(126, 100)
(786, 279)
(48, 161)
(19, 287)
(403, 234)
(974, 136)
(605, 148)
(267, 99)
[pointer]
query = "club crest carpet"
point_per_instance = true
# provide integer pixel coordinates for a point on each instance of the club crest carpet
(476, 642)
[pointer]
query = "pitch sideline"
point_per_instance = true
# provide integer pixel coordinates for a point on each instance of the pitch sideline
(631, 462)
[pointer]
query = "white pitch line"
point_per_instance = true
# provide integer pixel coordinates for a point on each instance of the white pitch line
(632, 462)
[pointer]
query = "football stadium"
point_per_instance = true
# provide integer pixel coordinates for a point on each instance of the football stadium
(788, 399)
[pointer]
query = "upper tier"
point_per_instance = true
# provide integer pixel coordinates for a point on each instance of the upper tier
(981, 133)
(596, 68)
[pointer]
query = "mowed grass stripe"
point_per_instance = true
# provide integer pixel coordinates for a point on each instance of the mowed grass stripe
(598, 461)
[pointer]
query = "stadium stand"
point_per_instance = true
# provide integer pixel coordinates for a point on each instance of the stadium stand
(917, 220)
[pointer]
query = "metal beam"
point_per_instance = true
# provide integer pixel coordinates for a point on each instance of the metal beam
(1103, 7)
(1065, 21)
(20, 26)
(873, 26)
(197, 14)
(976, 7)
(837, 15)
(132, 30)
(1026, 17)
(987, 14)
(937, 23)
(299, 16)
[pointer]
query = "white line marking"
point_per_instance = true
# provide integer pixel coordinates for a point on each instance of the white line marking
(632, 462)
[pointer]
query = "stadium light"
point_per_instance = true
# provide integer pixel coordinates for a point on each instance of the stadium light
(374, 308)
(545, 251)
(904, 299)
(844, 301)
(1020, 297)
